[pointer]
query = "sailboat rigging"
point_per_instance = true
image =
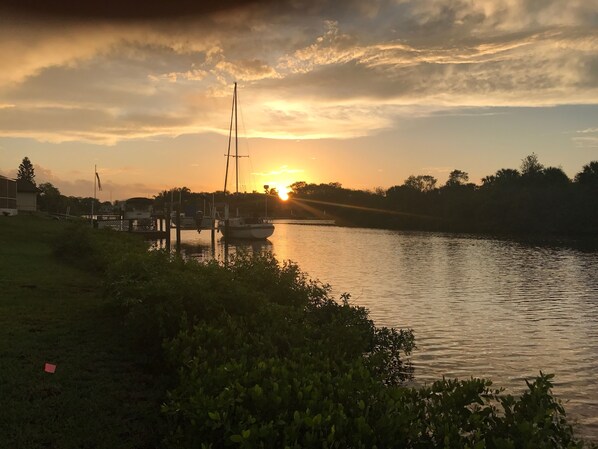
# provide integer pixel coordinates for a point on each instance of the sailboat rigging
(240, 227)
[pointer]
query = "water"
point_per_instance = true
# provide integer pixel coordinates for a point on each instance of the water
(479, 307)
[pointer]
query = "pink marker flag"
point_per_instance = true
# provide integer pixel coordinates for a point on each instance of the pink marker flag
(49, 368)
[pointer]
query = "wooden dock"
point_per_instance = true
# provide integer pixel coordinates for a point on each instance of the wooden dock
(155, 228)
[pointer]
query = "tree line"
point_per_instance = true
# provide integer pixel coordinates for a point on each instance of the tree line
(531, 199)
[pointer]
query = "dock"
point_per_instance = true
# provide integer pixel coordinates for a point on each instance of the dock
(155, 227)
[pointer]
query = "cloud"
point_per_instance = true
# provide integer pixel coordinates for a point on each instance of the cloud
(587, 140)
(312, 69)
(247, 70)
(128, 10)
(60, 124)
(84, 187)
(539, 69)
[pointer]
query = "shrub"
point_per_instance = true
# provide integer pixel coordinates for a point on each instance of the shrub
(299, 403)
(95, 249)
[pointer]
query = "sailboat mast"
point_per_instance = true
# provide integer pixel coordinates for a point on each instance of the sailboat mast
(230, 135)
(236, 142)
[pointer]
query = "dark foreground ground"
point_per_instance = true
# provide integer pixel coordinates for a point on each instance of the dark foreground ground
(100, 396)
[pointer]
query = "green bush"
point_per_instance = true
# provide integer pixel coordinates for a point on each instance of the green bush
(157, 290)
(298, 403)
(289, 373)
(95, 249)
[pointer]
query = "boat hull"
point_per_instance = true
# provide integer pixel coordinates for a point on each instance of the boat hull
(247, 231)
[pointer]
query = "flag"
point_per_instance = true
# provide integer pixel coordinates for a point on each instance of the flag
(99, 183)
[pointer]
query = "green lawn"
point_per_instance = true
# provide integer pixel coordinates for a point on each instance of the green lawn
(101, 395)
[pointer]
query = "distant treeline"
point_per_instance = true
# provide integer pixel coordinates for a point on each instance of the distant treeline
(533, 199)
(50, 200)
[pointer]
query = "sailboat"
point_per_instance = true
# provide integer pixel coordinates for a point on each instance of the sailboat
(240, 227)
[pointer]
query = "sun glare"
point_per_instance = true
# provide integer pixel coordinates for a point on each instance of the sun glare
(283, 192)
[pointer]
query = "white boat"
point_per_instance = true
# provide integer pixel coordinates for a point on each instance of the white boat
(245, 228)
(240, 227)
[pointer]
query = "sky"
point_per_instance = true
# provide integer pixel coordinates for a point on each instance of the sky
(364, 93)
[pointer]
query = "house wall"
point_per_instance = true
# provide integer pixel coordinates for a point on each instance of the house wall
(26, 201)
(8, 197)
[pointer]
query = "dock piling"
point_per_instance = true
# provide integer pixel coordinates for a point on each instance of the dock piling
(178, 229)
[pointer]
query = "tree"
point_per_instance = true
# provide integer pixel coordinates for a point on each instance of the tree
(504, 177)
(421, 183)
(26, 171)
(555, 176)
(457, 178)
(530, 165)
(589, 174)
(298, 187)
(50, 199)
(380, 191)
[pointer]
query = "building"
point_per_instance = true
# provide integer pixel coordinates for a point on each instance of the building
(8, 196)
(26, 196)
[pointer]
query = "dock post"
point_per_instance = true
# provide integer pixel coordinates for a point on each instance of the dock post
(178, 229)
(226, 234)
(167, 225)
(213, 232)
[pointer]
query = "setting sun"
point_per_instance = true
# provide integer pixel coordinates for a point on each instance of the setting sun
(283, 192)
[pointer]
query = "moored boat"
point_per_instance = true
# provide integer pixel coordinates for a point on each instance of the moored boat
(245, 228)
(240, 227)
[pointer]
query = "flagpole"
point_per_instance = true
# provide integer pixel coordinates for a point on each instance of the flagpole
(95, 175)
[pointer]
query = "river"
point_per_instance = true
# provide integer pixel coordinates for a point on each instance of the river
(481, 307)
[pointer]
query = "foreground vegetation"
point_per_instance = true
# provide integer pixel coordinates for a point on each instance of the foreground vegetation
(256, 355)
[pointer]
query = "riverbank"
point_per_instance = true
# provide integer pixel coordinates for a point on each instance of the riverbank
(100, 395)
(256, 355)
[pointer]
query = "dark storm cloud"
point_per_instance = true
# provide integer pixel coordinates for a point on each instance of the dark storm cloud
(124, 9)
(134, 10)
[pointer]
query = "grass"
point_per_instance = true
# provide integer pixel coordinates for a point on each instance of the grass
(101, 395)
